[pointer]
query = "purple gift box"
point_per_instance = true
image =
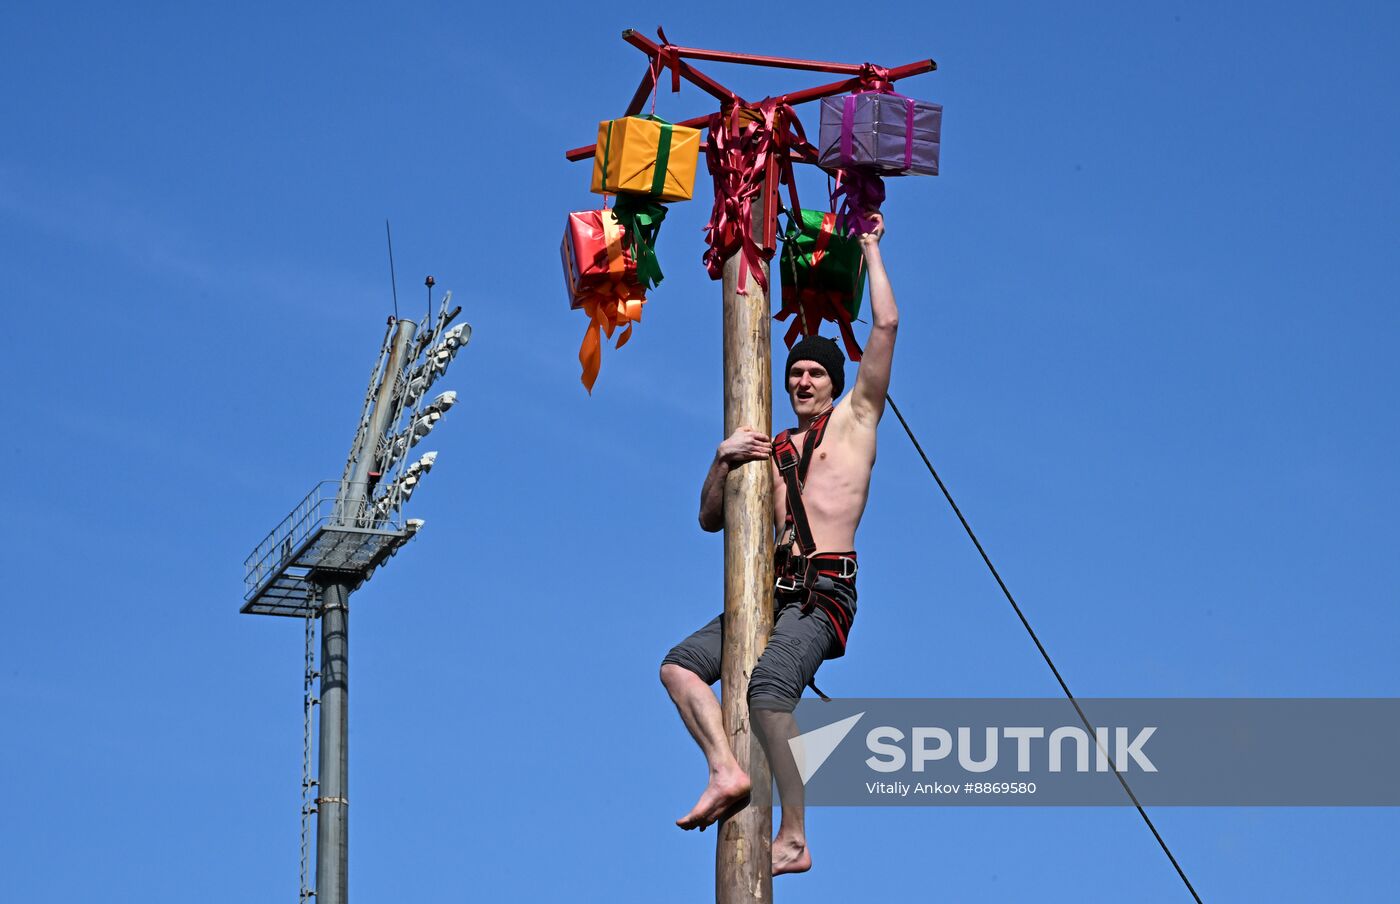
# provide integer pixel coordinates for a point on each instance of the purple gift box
(889, 134)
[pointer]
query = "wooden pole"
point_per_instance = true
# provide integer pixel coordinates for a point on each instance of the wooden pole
(743, 856)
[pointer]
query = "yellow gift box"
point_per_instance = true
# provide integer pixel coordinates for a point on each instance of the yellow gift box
(645, 155)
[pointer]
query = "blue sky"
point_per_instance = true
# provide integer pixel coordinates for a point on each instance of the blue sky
(1148, 317)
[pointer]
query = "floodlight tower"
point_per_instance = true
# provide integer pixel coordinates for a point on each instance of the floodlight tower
(332, 542)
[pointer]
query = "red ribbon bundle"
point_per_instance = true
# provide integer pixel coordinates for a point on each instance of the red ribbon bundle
(812, 306)
(855, 195)
(875, 78)
(749, 151)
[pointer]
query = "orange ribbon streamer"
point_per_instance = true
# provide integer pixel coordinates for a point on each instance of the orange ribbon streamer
(608, 308)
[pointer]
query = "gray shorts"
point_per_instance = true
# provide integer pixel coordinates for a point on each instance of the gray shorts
(801, 641)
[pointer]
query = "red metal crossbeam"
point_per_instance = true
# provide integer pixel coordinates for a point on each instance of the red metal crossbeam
(834, 88)
(798, 97)
(725, 96)
(695, 122)
(748, 59)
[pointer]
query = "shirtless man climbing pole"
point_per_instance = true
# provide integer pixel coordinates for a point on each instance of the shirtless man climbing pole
(815, 599)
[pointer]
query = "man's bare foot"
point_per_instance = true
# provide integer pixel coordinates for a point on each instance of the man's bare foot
(790, 855)
(726, 794)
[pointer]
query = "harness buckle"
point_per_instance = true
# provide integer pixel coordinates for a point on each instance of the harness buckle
(795, 572)
(849, 567)
(785, 456)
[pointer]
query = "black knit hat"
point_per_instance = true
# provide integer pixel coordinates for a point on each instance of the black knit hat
(825, 352)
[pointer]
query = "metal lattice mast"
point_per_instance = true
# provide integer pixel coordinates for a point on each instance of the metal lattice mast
(368, 408)
(330, 544)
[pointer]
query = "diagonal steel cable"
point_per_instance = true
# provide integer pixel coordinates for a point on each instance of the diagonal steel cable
(1041, 647)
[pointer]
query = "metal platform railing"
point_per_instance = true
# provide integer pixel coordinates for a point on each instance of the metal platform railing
(331, 530)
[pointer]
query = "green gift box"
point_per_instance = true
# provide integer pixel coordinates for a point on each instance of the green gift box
(816, 259)
(823, 278)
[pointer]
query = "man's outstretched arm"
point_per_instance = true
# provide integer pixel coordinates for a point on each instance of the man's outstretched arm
(745, 445)
(873, 377)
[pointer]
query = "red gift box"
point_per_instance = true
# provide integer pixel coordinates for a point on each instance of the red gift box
(600, 273)
(597, 260)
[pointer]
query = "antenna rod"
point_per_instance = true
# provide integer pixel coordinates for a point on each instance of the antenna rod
(393, 280)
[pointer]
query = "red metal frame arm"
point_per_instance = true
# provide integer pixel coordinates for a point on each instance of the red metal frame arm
(583, 153)
(725, 96)
(850, 84)
(688, 72)
(748, 59)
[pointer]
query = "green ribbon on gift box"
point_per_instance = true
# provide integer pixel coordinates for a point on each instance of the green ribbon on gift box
(641, 223)
(607, 149)
(663, 156)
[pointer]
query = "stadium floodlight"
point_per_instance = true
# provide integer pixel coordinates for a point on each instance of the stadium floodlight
(417, 429)
(410, 528)
(398, 491)
(435, 361)
(458, 336)
(417, 385)
(423, 465)
(424, 423)
(443, 402)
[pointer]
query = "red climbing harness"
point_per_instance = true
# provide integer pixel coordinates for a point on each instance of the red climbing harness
(797, 573)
